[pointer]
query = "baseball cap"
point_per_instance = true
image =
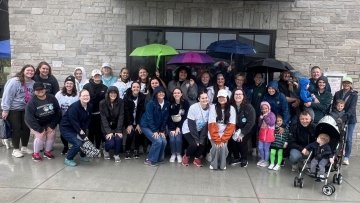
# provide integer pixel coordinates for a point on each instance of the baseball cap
(222, 93)
(95, 72)
(106, 65)
(347, 79)
(38, 86)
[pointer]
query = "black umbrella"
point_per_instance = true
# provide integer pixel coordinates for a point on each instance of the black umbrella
(268, 65)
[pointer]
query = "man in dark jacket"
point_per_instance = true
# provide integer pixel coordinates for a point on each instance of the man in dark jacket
(315, 74)
(302, 133)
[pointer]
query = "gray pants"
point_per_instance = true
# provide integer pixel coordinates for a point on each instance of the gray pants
(218, 156)
(322, 163)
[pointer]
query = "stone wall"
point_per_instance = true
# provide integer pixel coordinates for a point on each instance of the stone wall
(70, 33)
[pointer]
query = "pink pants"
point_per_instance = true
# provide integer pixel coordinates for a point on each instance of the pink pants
(40, 139)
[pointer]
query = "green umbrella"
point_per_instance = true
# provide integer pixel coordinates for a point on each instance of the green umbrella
(154, 50)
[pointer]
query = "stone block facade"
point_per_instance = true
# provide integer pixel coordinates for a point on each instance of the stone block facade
(70, 33)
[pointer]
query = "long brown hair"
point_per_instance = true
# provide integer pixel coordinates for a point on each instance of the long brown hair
(21, 74)
(37, 71)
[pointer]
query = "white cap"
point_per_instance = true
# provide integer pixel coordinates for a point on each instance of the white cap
(106, 65)
(347, 79)
(222, 93)
(95, 72)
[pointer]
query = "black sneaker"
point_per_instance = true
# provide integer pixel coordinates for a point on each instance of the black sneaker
(244, 163)
(234, 162)
(127, 155)
(136, 154)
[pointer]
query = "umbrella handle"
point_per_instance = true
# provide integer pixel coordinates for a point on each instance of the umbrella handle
(157, 61)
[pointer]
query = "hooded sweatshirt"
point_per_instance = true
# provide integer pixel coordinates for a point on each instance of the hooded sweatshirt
(123, 86)
(51, 84)
(156, 115)
(305, 95)
(278, 102)
(112, 116)
(84, 80)
(14, 94)
(267, 125)
(97, 93)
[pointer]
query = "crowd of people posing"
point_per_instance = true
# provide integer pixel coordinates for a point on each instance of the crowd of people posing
(221, 117)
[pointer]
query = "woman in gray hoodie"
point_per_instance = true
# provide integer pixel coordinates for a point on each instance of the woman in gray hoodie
(17, 93)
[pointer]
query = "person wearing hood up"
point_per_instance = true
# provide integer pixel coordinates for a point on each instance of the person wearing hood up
(321, 104)
(112, 119)
(306, 97)
(97, 92)
(153, 125)
(267, 121)
(80, 78)
(277, 101)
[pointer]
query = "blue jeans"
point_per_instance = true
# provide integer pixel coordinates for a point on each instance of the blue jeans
(349, 136)
(157, 149)
(76, 144)
(295, 156)
(114, 143)
(264, 148)
(175, 143)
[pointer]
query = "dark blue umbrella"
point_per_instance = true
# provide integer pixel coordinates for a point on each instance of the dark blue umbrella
(228, 48)
(5, 52)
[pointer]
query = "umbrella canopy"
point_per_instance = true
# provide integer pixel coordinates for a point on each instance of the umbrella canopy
(227, 48)
(5, 52)
(191, 58)
(154, 50)
(268, 65)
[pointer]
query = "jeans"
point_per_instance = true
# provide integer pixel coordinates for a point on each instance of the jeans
(349, 135)
(295, 156)
(157, 149)
(114, 143)
(71, 137)
(175, 143)
(264, 149)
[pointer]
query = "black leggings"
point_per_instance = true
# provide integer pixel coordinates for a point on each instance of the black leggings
(193, 150)
(20, 129)
(95, 134)
(135, 136)
(238, 149)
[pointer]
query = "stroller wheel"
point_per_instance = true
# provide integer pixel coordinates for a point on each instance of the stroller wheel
(328, 189)
(339, 179)
(301, 183)
(296, 179)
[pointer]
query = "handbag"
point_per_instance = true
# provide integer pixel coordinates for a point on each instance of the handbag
(89, 149)
(5, 129)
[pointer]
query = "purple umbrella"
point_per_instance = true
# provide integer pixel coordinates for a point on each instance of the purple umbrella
(191, 58)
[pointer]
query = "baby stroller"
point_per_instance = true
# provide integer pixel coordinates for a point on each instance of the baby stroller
(337, 134)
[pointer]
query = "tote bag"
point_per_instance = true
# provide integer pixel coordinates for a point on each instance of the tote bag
(5, 129)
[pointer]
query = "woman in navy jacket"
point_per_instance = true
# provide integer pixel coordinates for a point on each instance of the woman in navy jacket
(74, 124)
(153, 124)
(277, 101)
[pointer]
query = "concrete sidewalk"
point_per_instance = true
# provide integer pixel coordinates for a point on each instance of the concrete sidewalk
(23, 180)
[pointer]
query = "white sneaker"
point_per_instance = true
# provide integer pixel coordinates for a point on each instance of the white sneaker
(211, 167)
(26, 150)
(172, 158)
(17, 153)
(271, 166)
(346, 162)
(7, 143)
(117, 158)
(179, 158)
(259, 162)
(276, 167)
(264, 164)
(106, 155)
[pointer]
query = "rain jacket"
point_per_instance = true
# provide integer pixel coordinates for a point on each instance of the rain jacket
(305, 95)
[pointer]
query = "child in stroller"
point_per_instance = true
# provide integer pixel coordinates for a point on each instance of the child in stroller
(322, 154)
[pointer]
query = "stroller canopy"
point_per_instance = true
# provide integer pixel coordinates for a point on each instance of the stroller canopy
(329, 126)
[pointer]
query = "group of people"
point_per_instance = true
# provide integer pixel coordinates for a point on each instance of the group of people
(214, 117)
